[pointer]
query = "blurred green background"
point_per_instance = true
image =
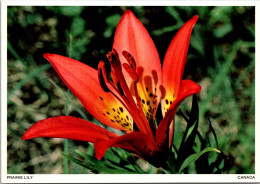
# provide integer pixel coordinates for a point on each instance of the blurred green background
(221, 59)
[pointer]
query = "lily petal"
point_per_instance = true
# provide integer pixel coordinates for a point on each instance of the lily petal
(68, 127)
(83, 81)
(174, 62)
(135, 142)
(187, 88)
(131, 36)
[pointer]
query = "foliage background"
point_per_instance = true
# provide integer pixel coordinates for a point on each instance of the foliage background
(221, 59)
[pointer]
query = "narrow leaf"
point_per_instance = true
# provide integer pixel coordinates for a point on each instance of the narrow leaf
(95, 168)
(213, 131)
(190, 133)
(107, 163)
(192, 158)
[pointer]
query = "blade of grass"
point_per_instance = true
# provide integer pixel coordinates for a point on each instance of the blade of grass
(13, 52)
(163, 30)
(71, 103)
(245, 73)
(21, 83)
(221, 75)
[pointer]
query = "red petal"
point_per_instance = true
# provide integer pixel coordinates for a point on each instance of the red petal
(83, 81)
(135, 142)
(174, 62)
(131, 36)
(188, 88)
(68, 127)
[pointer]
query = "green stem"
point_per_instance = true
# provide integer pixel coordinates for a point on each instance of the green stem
(65, 161)
(66, 141)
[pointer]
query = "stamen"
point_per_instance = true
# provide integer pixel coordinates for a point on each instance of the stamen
(117, 83)
(114, 59)
(104, 68)
(139, 102)
(130, 59)
(123, 90)
(114, 77)
(131, 72)
(102, 76)
(115, 53)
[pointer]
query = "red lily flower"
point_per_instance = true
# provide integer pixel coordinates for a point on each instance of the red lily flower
(131, 96)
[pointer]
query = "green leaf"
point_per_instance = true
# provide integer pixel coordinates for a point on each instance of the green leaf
(112, 156)
(78, 26)
(71, 11)
(188, 139)
(213, 131)
(98, 167)
(111, 22)
(197, 43)
(193, 121)
(192, 158)
(106, 163)
(174, 13)
(223, 30)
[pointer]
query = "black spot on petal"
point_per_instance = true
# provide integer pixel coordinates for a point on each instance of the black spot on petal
(121, 109)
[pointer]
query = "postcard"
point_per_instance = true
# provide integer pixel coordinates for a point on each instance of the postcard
(129, 91)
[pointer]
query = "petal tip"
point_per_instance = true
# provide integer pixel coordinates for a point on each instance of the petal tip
(128, 12)
(195, 17)
(100, 149)
(199, 88)
(46, 55)
(25, 137)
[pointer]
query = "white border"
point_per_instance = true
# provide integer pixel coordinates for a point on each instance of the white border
(130, 3)
(108, 178)
(3, 114)
(131, 178)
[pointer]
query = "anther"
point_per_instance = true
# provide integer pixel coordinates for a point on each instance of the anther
(113, 58)
(131, 72)
(114, 78)
(102, 76)
(115, 53)
(130, 59)
(117, 83)
(103, 67)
